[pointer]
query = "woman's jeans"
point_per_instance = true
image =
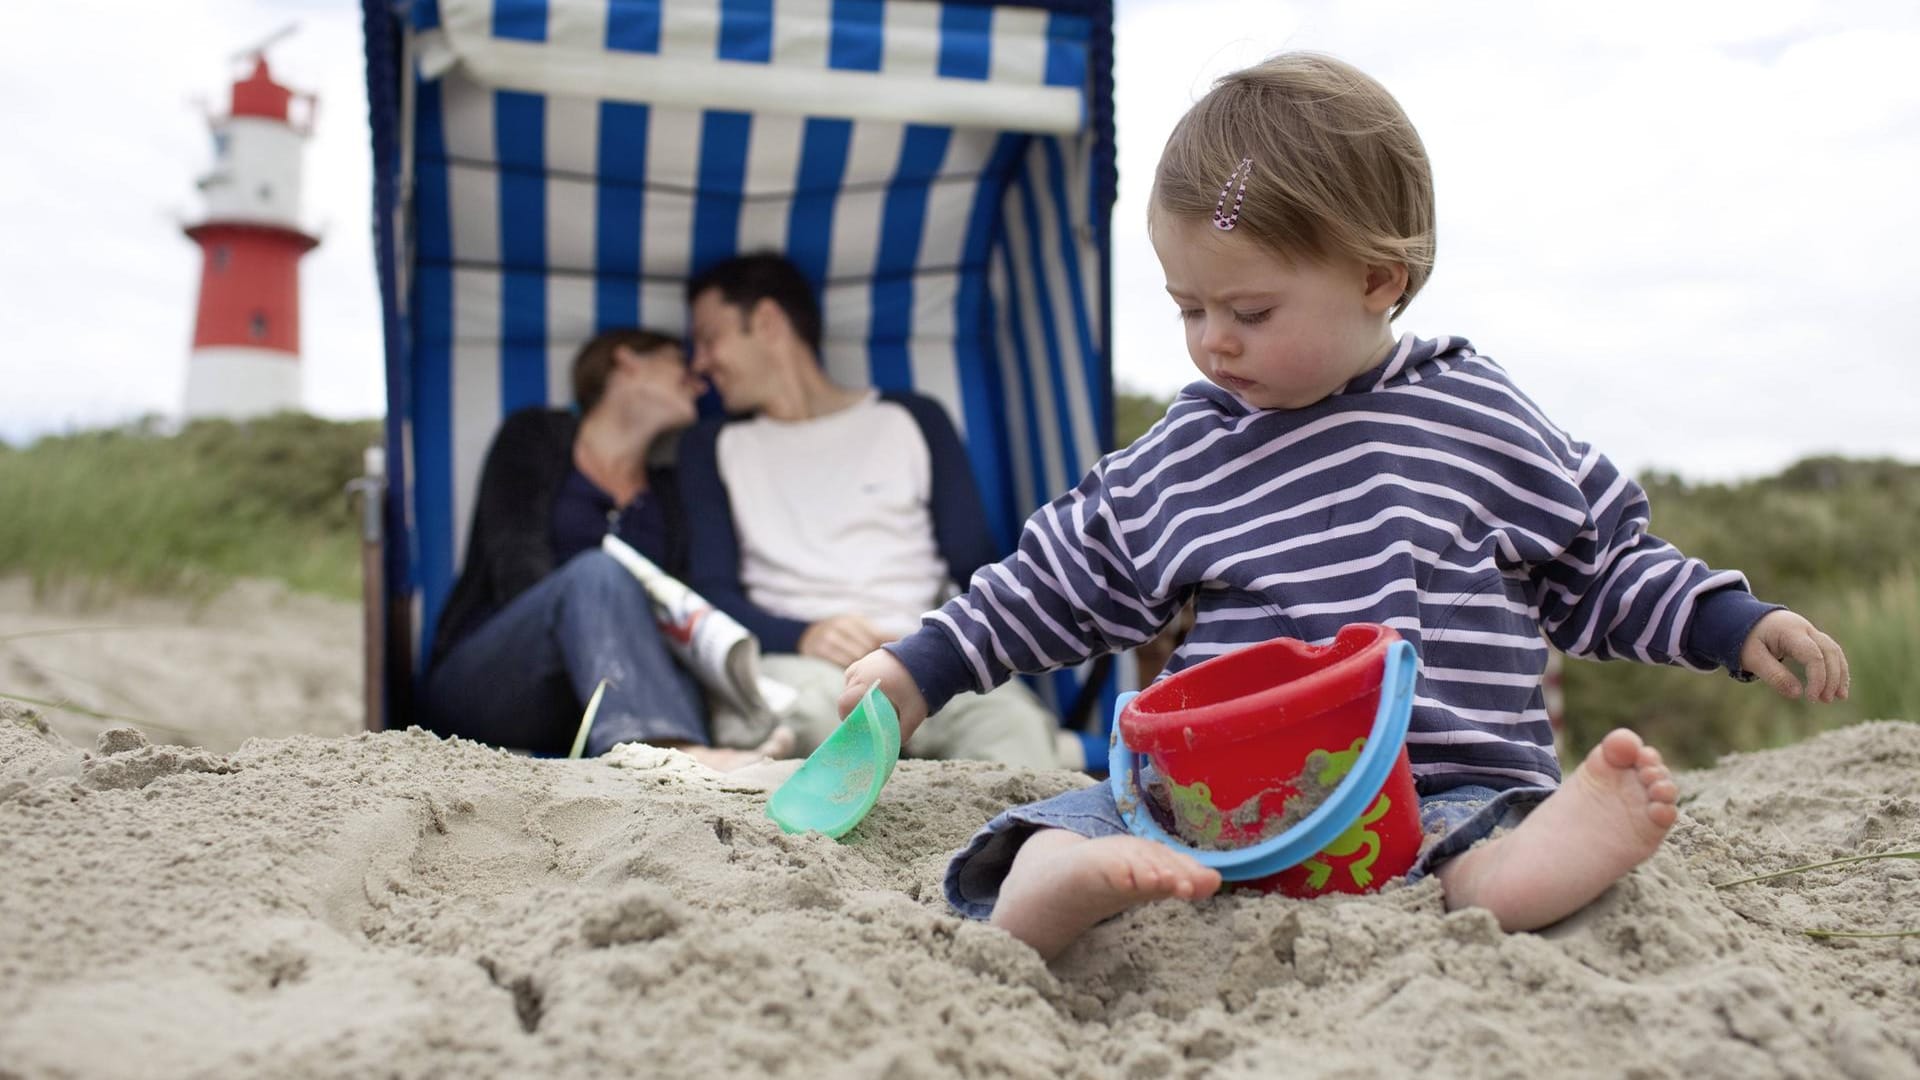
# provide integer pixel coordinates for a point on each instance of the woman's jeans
(523, 678)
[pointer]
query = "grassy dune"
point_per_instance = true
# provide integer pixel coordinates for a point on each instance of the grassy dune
(135, 508)
(1838, 540)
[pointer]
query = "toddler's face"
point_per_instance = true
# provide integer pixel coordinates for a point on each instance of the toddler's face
(1278, 334)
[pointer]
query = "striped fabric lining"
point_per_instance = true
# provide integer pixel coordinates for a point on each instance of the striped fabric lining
(961, 263)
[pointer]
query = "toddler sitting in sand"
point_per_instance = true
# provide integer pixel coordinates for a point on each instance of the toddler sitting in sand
(1326, 473)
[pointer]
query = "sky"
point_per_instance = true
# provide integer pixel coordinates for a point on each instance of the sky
(1687, 230)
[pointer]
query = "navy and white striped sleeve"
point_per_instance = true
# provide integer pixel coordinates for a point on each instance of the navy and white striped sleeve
(1069, 591)
(1619, 592)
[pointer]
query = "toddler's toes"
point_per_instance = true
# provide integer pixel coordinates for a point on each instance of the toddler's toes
(1179, 875)
(1129, 876)
(1151, 877)
(1206, 882)
(1621, 749)
(1193, 880)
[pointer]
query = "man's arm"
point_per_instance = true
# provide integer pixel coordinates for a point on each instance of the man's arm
(959, 516)
(713, 547)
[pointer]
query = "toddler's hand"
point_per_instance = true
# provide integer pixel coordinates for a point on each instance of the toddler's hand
(1782, 635)
(879, 666)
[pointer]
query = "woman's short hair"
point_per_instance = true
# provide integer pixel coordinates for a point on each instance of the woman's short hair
(594, 362)
(1335, 165)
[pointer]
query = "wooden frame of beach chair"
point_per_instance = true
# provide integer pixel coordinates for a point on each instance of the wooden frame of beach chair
(545, 169)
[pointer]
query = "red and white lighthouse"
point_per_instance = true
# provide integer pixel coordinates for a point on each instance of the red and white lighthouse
(246, 335)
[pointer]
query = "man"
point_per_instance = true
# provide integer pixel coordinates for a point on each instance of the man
(828, 519)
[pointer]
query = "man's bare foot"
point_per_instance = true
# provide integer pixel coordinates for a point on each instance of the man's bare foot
(1605, 820)
(722, 759)
(1062, 883)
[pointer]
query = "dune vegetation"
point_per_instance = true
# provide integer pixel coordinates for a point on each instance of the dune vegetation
(143, 508)
(140, 508)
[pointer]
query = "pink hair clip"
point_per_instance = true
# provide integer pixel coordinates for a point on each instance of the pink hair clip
(1221, 219)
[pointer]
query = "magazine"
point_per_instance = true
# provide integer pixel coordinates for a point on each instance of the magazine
(721, 653)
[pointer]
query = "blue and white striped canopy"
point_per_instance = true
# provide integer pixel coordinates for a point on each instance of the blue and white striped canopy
(551, 168)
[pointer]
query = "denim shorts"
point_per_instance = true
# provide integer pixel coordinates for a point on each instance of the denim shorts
(1454, 821)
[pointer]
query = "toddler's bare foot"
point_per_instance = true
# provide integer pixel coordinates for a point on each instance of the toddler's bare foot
(1061, 884)
(1605, 820)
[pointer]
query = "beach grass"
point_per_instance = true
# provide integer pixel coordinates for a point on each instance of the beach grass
(1880, 628)
(1695, 718)
(139, 508)
(1849, 860)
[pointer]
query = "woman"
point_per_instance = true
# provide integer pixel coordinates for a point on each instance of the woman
(540, 614)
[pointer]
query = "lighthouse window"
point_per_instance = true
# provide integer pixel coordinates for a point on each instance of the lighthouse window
(266, 192)
(221, 257)
(220, 146)
(257, 326)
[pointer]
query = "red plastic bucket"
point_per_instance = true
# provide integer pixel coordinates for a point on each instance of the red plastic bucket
(1232, 738)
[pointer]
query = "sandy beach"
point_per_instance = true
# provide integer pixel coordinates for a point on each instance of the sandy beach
(338, 905)
(254, 660)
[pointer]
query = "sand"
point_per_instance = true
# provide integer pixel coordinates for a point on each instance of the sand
(399, 905)
(254, 660)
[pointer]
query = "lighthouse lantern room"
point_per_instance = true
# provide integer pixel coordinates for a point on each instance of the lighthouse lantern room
(246, 334)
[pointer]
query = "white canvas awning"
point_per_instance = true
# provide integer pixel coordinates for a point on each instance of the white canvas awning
(797, 78)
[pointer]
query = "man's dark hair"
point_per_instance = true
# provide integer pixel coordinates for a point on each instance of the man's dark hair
(745, 280)
(594, 362)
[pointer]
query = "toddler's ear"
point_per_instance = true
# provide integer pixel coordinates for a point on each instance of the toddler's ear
(1386, 284)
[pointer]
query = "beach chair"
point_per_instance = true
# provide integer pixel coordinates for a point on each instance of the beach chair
(545, 169)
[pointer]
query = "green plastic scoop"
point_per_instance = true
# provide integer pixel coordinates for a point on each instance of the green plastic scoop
(840, 782)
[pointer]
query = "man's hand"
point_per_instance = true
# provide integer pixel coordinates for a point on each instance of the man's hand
(1782, 635)
(841, 639)
(879, 666)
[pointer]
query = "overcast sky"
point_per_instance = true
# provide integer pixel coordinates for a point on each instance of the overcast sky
(1687, 229)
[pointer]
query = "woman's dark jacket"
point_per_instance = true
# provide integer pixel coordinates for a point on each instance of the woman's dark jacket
(510, 546)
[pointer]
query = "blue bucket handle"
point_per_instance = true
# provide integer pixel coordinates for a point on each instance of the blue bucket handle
(1349, 799)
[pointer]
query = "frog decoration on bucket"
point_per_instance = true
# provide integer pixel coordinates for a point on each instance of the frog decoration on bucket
(1358, 835)
(1193, 810)
(1201, 821)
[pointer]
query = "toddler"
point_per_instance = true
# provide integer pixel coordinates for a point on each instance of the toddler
(1325, 472)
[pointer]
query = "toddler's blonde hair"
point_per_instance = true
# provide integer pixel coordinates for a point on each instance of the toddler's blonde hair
(1336, 165)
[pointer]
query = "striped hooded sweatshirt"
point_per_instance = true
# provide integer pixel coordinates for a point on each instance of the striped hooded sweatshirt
(1428, 494)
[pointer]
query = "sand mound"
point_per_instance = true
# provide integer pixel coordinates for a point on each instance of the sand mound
(398, 905)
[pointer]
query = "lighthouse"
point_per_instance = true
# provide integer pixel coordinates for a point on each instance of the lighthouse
(246, 334)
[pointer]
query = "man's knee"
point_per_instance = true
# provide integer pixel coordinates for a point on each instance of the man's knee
(1009, 725)
(815, 711)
